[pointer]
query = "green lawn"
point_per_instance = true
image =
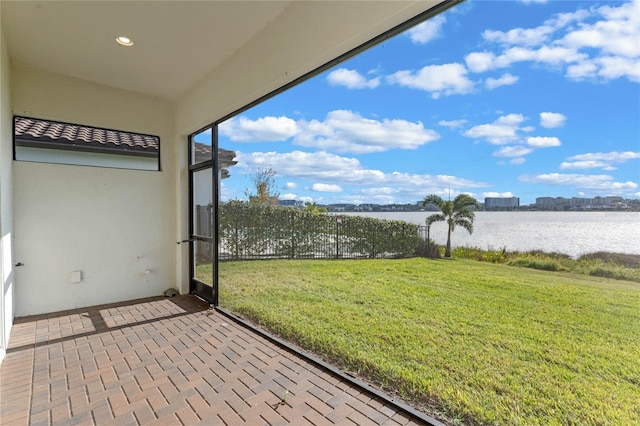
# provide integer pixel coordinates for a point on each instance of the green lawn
(475, 342)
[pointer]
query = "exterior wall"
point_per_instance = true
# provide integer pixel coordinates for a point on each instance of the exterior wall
(60, 156)
(117, 227)
(6, 193)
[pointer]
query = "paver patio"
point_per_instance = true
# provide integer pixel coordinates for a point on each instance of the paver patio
(168, 361)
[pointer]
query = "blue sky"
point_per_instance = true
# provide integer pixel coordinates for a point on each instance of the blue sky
(491, 98)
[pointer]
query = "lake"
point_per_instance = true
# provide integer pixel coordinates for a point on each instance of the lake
(572, 233)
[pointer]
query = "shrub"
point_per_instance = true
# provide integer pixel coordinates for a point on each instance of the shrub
(544, 254)
(534, 263)
(617, 266)
(428, 249)
(475, 253)
(260, 231)
(628, 260)
(606, 273)
(609, 270)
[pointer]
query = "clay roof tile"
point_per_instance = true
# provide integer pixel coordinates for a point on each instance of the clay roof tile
(45, 132)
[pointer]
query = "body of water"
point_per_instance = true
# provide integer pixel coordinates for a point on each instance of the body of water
(572, 233)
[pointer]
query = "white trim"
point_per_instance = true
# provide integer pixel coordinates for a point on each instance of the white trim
(98, 159)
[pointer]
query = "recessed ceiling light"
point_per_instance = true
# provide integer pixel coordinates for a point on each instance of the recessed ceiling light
(124, 41)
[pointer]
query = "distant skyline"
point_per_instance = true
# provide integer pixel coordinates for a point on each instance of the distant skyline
(545, 103)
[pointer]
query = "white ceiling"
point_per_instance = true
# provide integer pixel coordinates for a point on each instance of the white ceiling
(176, 42)
(179, 43)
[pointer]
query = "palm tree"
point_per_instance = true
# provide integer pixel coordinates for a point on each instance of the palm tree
(312, 207)
(458, 212)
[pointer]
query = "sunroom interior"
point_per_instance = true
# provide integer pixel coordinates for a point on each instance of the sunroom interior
(76, 235)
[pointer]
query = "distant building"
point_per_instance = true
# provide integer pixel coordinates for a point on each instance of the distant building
(500, 203)
(562, 202)
(613, 201)
(341, 207)
(550, 203)
(369, 207)
(580, 202)
(291, 203)
(545, 202)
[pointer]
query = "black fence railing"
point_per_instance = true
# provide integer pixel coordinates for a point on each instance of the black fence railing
(250, 231)
(424, 232)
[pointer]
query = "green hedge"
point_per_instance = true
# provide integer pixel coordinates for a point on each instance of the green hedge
(254, 231)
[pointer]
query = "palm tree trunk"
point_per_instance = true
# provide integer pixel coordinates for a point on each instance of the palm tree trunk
(447, 251)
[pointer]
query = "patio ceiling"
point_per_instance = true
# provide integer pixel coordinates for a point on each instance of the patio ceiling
(179, 43)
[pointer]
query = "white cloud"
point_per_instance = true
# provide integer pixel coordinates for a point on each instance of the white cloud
(504, 80)
(512, 151)
(552, 119)
(497, 194)
(613, 156)
(290, 185)
(351, 79)
(341, 131)
(506, 130)
(428, 30)
(480, 61)
(310, 166)
(502, 131)
(346, 131)
(520, 36)
(543, 141)
(550, 55)
(324, 187)
(350, 176)
(603, 160)
(600, 43)
(288, 196)
(439, 80)
(617, 34)
(586, 164)
(383, 190)
(606, 68)
(452, 124)
(597, 183)
(265, 129)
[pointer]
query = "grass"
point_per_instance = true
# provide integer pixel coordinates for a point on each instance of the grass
(618, 266)
(469, 342)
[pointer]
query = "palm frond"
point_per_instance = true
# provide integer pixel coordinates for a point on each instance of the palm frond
(433, 199)
(437, 217)
(466, 224)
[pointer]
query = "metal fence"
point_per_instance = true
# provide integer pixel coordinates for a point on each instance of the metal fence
(248, 232)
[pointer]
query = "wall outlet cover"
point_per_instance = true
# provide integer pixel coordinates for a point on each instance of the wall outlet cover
(76, 277)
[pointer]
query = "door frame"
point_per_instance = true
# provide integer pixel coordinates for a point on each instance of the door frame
(196, 286)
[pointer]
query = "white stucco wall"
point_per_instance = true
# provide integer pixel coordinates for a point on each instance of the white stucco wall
(115, 226)
(6, 214)
(98, 159)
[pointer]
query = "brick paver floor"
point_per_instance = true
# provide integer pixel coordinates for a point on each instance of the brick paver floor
(168, 361)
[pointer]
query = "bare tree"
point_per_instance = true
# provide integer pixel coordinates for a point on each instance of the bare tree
(264, 185)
